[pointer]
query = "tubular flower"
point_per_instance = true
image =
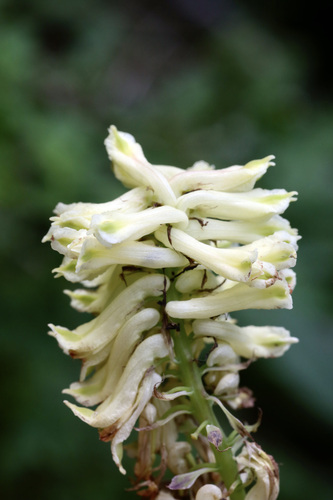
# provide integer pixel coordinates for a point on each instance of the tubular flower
(256, 463)
(161, 268)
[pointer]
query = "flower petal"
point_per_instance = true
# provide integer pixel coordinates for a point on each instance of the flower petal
(239, 231)
(143, 397)
(249, 341)
(91, 337)
(185, 481)
(265, 470)
(258, 204)
(234, 264)
(104, 381)
(112, 228)
(118, 407)
(132, 168)
(236, 178)
(236, 298)
(77, 216)
(96, 258)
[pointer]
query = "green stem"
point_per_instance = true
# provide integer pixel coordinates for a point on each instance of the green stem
(202, 408)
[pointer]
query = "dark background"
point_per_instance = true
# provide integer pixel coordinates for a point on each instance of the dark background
(224, 81)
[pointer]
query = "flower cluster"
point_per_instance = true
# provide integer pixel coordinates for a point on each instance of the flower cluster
(160, 268)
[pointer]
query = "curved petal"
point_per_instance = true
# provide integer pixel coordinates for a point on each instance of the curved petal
(96, 258)
(132, 168)
(239, 231)
(118, 407)
(91, 337)
(234, 263)
(144, 395)
(236, 178)
(248, 341)
(112, 228)
(104, 381)
(258, 204)
(236, 298)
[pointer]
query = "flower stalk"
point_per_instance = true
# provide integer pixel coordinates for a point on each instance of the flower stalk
(161, 268)
(202, 411)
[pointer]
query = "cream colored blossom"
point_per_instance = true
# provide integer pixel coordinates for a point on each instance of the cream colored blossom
(132, 169)
(239, 231)
(104, 381)
(238, 297)
(161, 268)
(236, 178)
(123, 400)
(256, 205)
(111, 228)
(91, 337)
(234, 264)
(247, 341)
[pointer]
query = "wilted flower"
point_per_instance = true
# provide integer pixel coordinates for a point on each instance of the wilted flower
(263, 468)
(160, 268)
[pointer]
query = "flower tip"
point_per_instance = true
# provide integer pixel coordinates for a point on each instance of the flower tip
(122, 470)
(52, 332)
(85, 414)
(118, 141)
(270, 159)
(262, 164)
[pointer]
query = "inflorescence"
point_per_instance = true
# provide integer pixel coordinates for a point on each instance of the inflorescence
(161, 268)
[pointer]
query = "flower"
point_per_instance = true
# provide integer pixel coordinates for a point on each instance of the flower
(161, 268)
(248, 341)
(263, 468)
(237, 297)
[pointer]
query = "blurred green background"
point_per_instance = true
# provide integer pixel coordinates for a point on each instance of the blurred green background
(218, 80)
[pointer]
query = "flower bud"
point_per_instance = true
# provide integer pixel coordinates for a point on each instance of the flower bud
(228, 383)
(177, 457)
(209, 492)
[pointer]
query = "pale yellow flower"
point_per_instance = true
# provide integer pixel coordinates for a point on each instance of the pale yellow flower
(167, 261)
